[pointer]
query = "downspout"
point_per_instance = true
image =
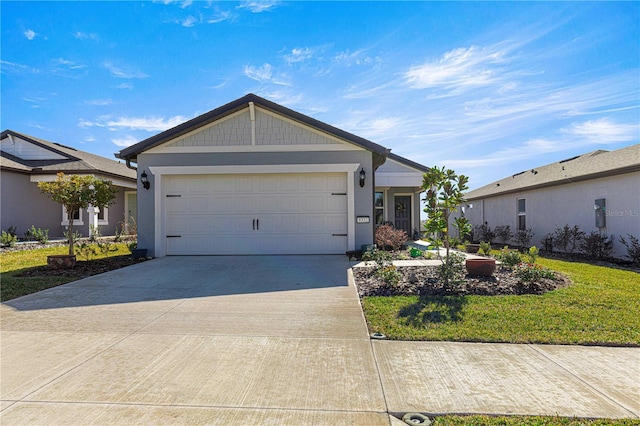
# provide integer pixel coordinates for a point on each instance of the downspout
(128, 162)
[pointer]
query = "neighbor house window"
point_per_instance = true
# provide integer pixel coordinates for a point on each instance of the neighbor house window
(600, 207)
(379, 207)
(103, 216)
(77, 218)
(522, 214)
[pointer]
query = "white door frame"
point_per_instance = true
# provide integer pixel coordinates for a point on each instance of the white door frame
(159, 172)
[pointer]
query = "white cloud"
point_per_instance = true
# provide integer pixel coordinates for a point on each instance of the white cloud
(125, 141)
(604, 131)
(30, 34)
(188, 22)
(259, 6)
(98, 102)
(186, 4)
(299, 54)
(470, 66)
(89, 139)
(348, 58)
(220, 16)
(264, 74)
(86, 36)
(119, 72)
(127, 86)
(148, 124)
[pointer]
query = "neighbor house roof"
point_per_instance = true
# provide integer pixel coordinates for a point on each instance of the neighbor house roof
(62, 159)
(132, 152)
(592, 165)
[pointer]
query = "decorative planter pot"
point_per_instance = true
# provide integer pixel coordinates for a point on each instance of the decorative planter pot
(472, 248)
(138, 253)
(61, 261)
(483, 267)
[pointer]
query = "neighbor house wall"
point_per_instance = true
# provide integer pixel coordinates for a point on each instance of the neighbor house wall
(23, 205)
(572, 204)
(363, 197)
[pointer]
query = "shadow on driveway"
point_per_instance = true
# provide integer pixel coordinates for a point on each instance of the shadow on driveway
(180, 277)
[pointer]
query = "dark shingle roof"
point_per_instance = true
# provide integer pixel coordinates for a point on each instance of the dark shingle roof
(132, 152)
(592, 165)
(73, 161)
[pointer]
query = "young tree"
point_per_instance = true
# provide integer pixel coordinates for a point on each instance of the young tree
(78, 192)
(445, 190)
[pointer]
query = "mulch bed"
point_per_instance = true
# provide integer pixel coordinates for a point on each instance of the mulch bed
(422, 280)
(83, 268)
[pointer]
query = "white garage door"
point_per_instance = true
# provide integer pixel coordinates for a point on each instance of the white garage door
(256, 214)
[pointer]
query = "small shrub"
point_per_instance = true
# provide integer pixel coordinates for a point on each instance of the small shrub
(12, 231)
(94, 232)
(597, 245)
(380, 257)
(504, 233)
(86, 250)
(509, 258)
(8, 239)
(533, 254)
(106, 247)
(485, 248)
(523, 238)
(547, 242)
(389, 275)
(567, 239)
(390, 238)
(134, 245)
(75, 236)
(452, 271)
(483, 233)
(633, 247)
(37, 234)
(531, 273)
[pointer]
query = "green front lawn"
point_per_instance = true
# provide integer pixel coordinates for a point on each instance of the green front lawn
(600, 308)
(15, 263)
(527, 421)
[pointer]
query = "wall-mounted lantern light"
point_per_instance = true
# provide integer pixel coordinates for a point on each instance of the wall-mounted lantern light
(145, 180)
(362, 176)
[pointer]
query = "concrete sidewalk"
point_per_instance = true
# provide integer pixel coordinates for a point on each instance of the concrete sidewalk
(269, 340)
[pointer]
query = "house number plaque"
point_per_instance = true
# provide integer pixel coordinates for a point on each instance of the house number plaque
(362, 219)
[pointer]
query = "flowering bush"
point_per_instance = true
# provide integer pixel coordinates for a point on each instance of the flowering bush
(530, 272)
(390, 238)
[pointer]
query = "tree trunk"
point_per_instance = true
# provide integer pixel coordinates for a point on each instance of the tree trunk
(70, 219)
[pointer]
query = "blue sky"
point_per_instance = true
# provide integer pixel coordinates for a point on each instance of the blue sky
(488, 89)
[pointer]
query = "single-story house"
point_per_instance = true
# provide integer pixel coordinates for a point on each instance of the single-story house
(254, 177)
(598, 191)
(26, 160)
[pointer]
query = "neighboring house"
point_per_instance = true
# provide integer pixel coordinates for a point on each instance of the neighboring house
(25, 161)
(598, 191)
(254, 177)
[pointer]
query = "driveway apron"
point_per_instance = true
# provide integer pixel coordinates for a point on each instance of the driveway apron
(193, 340)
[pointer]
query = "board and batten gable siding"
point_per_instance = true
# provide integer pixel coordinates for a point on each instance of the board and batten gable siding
(236, 130)
(571, 204)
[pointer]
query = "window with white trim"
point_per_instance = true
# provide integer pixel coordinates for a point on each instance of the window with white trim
(103, 216)
(522, 214)
(77, 217)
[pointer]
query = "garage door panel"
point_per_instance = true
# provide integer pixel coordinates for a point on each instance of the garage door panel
(219, 214)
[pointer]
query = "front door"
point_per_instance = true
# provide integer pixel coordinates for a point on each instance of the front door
(131, 211)
(403, 213)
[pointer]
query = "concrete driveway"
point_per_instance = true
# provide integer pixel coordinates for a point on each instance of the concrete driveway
(194, 340)
(269, 340)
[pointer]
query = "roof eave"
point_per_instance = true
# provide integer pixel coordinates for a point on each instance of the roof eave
(608, 173)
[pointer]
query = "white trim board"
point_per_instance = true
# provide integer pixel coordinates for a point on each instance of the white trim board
(160, 171)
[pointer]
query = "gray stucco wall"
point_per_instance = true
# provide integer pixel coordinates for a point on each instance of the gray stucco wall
(363, 196)
(571, 204)
(24, 205)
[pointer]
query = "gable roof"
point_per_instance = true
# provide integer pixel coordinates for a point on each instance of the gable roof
(131, 153)
(62, 159)
(592, 165)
